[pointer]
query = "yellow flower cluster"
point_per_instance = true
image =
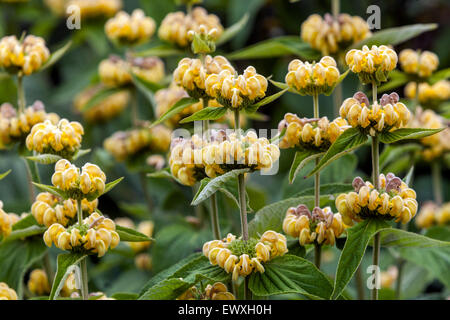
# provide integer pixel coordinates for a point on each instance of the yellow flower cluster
(176, 26)
(438, 144)
(388, 115)
(130, 29)
(193, 159)
(116, 72)
(38, 284)
(49, 209)
(6, 221)
(106, 109)
(216, 291)
(125, 144)
(25, 56)
(372, 65)
(429, 95)
(62, 139)
(243, 257)
(321, 226)
(6, 293)
(431, 214)
(191, 74)
(96, 8)
(330, 35)
(304, 133)
(393, 200)
(90, 182)
(313, 78)
(15, 127)
(236, 91)
(95, 236)
(421, 63)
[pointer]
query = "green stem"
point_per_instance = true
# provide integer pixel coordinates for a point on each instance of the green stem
(243, 206)
(359, 283)
(83, 263)
(437, 182)
(317, 175)
(215, 217)
(337, 99)
(247, 292)
(374, 92)
(33, 176)
(376, 261)
(335, 7)
(48, 268)
(21, 101)
(398, 283)
(375, 161)
(317, 254)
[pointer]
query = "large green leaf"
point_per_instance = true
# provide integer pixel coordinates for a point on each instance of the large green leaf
(213, 185)
(25, 222)
(407, 134)
(168, 289)
(291, 274)
(45, 158)
(55, 56)
(16, 257)
(131, 235)
(394, 152)
(358, 238)
(175, 109)
(401, 238)
(348, 141)
(25, 232)
(4, 174)
(254, 107)
(276, 47)
(233, 30)
(64, 262)
(301, 158)
(209, 113)
(395, 36)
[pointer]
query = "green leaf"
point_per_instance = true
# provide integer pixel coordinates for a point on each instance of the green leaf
(53, 190)
(290, 274)
(284, 86)
(3, 175)
(358, 238)
(211, 186)
(439, 233)
(45, 158)
(25, 222)
(395, 36)
(55, 56)
(394, 152)
(175, 109)
(276, 47)
(111, 185)
(125, 296)
(168, 289)
(301, 158)
(209, 113)
(254, 107)
(348, 141)
(404, 239)
(233, 30)
(130, 235)
(25, 232)
(99, 96)
(199, 45)
(16, 257)
(80, 153)
(396, 79)
(439, 75)
(147, 88)
(407, 134)
(330, 188)
(64, 262)
(341, 78)
(164, 173)
(163, 50)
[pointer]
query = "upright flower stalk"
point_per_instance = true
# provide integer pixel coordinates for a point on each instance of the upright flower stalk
(83, 263)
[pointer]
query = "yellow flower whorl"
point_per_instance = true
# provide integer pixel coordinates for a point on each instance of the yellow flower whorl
(25, 56)
(315, 78)
(242, 258)
(431, 214)
(429, 95)
(95, 236)
(6, 222)
(307, 133)
(130, 29)
(422, 64)
(7, 293)
(394, 200)
(321, 226)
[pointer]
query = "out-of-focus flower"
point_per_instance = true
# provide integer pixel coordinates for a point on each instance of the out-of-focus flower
(372, 65)
(90, 182)
(25, 57)
(438, 144)
(143, 261)
(7, 293)
(95, 236)
(313, 78)
(156, 161)
(388, 277)
(49, 209)
(6, 221)
(15, 127)
(38, 282)
(389, 114)
(429, 95)
(126, 144)
(191, 74)
(130, 29)
(106, 109)
(304, 133)
(422, 64)
(89, 8)
(329, 35)
(63, 139)
(321, 226)
(431, 214)
(244, 257)
(176, 26)
(394, 200)
(236, 91)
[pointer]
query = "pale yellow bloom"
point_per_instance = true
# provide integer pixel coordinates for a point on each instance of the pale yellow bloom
(95, 8)
(421, 63)
(130, 29)
(430, 95)
(388, 277)
(6, 222)
(7, 293)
